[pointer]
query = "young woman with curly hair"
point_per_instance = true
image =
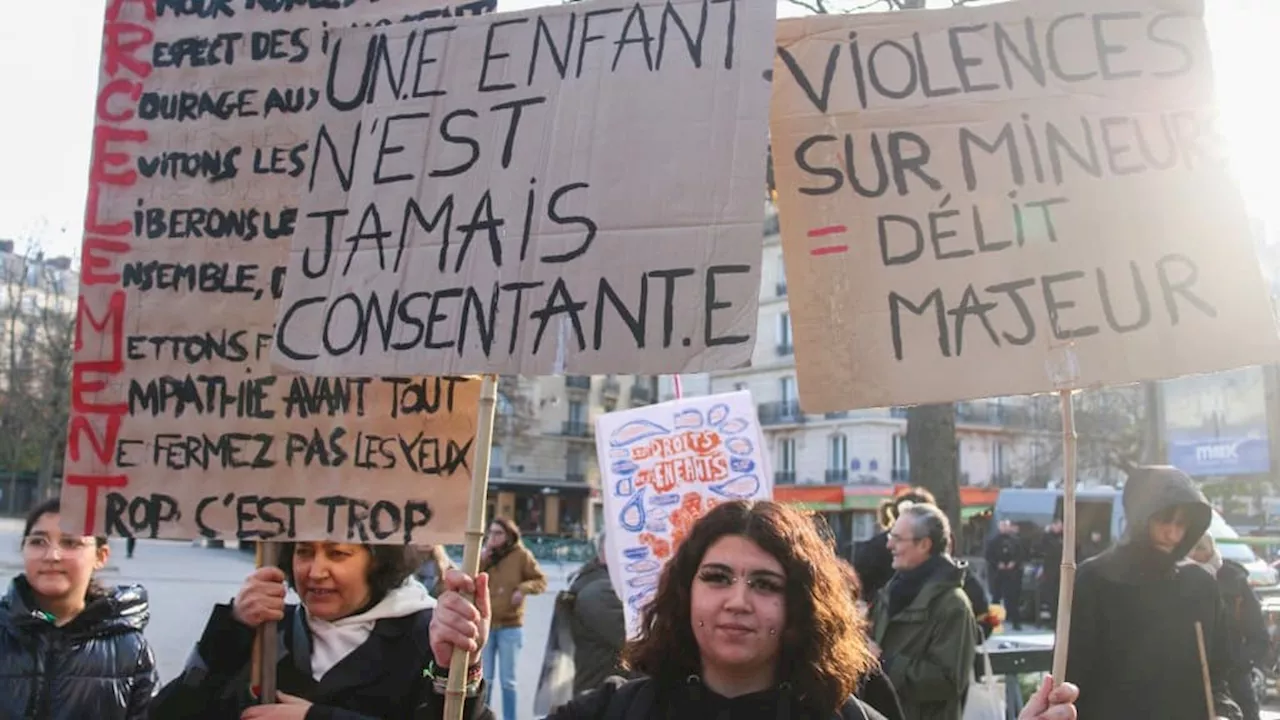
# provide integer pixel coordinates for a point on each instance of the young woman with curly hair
(752, 619)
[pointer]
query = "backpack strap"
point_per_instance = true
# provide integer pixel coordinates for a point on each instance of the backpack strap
(633, 699)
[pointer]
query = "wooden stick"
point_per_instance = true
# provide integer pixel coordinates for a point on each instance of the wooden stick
(255, 667)
(455, 691)
(1204, 672)
(1067, 578)
(267, 650)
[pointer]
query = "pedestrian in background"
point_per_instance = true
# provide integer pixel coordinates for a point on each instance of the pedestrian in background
(1050, 553)
(597, 623)
(513, 574)
(1246, 629)
(1006, 557)
(434, 566)
(872, 560)
(71, 648)
(923, 626)
(1134, 651)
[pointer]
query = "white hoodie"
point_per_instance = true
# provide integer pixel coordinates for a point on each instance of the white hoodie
(332, 641)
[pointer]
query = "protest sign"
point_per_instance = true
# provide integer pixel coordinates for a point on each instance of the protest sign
(664, 466)
(1008, 199)
(178, 427)
(576, 189)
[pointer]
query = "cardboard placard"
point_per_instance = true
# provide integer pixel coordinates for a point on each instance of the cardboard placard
(573, 189)
(664, 466)
(179, 427)
(1008, 199)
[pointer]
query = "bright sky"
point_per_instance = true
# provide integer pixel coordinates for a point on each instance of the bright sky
(48, 76)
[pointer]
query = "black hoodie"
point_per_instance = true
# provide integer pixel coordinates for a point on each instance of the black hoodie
(1133, 649)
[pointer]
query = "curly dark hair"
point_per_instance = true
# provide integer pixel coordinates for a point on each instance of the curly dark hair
(824, 648)
(390, 565)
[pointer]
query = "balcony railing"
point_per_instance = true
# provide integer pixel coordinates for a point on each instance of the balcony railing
(576, 429)
(838, 415)
(578, 382)
(784, 477)
(610, 387)
(575, 477)
(780, 413)
(837, 477)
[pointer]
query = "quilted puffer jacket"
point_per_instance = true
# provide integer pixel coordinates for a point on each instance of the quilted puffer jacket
(96, 666)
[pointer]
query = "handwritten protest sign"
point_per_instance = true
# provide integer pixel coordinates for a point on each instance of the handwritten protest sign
(662, 467)
(178, 426)
(575, 189)
(1008, 199)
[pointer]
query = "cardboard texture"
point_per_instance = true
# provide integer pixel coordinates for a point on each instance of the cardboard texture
(1008, 199)
(575, 189)
(179, 428)
(664, 466)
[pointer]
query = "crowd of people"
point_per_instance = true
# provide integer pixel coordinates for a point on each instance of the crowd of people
(755, 616)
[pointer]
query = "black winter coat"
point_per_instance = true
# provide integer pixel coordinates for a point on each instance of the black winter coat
(380, 679)
(1133, 638)
(96, 666)
(642, 699)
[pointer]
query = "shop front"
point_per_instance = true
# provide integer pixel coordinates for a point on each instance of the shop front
(541, 507)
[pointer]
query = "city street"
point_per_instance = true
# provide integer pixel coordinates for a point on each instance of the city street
(184, 581)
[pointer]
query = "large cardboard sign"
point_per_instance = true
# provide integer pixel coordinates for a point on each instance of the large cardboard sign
(1008, 199)
(664, 466)
(179, 427)
(574, 189)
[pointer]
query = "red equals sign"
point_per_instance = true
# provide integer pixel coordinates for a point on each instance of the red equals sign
(826, 232)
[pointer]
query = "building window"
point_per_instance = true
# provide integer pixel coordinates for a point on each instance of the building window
(784, 334)
(837, 452)
(576, 413)
(787, 389)
(496, 461)
(787, 454)
(901, 459)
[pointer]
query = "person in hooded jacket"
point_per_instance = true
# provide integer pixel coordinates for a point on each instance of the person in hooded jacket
(1246, 628)
(355, 647)
(923, 624)
(1134, 652)
(69, 647)
(597, 623)
(752, 620)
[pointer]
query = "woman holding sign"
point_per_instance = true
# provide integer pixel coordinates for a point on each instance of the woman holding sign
(752, 619)
(354, 648)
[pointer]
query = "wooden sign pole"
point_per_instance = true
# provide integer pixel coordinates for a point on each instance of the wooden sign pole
(455, 691)
(1067, 580)
(262, 673)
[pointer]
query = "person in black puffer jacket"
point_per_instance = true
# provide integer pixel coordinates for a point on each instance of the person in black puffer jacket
(69, 648)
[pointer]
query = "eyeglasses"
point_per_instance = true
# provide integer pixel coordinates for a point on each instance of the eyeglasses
(40, 545)
(899, 539)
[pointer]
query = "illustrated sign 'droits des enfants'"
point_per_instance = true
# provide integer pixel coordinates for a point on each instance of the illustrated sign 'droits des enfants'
(179, 428)
(1008, 199)
(663, 467)
(574, 189)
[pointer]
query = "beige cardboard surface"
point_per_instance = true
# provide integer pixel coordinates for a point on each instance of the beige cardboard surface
(1008, 199)
(180, 428)
(574, 189)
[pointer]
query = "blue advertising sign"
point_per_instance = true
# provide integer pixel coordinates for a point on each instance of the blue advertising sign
(1220, 455)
